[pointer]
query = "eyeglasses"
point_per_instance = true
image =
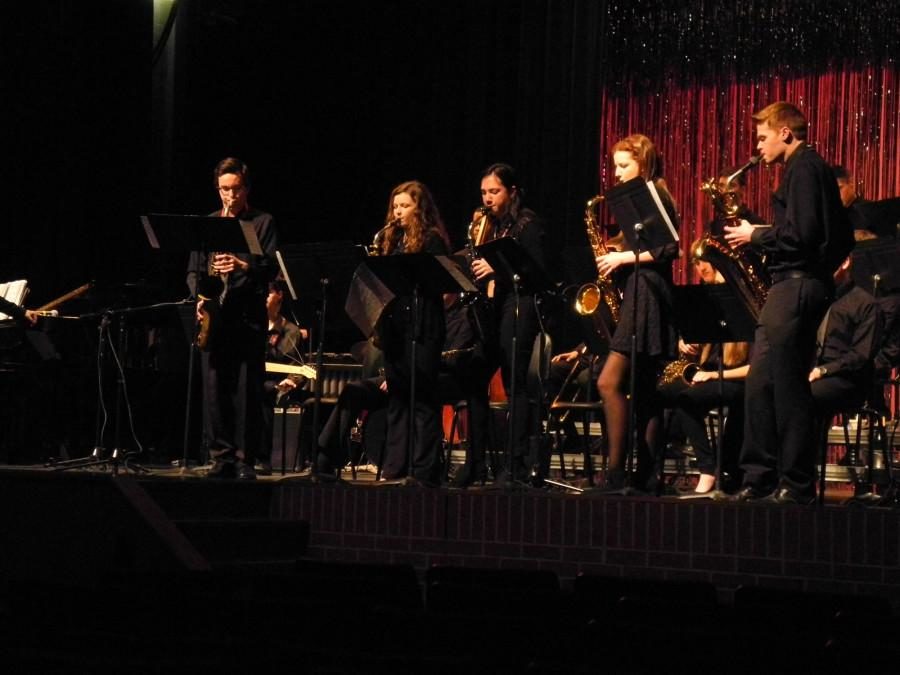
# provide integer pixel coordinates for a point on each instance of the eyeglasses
(233, 189)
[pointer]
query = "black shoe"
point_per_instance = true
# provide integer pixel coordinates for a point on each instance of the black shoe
(263, 468)
(786, 496)
(467, 476)
(323, 477)
(245, 471)
(749, 493)
(221, 469)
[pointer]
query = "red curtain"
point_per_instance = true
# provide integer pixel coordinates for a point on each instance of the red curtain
(704, 126)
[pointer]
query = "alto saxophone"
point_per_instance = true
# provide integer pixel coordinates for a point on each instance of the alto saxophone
(601, 299)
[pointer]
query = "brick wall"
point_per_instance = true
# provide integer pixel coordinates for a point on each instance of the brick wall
(830, 549)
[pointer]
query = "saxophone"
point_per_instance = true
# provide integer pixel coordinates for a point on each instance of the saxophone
(742, 268)
(676, 376)
(600, 299)
(477, 233)
(376, 248)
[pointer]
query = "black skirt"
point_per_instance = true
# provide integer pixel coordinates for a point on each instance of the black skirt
(656, 333)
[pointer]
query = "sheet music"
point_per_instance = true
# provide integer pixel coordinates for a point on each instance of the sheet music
(15, 292)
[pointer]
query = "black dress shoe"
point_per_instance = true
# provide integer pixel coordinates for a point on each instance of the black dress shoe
(467, 476)
(220, 470)
(786, 496)
(244, 471)
(749, 493)
(263, 468)
(324, 477)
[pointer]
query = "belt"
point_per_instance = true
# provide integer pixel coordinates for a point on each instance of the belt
(791, 274)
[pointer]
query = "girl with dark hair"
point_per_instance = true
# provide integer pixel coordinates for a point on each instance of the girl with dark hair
(502, 197)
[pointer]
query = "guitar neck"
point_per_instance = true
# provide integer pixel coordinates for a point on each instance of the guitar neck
(71, 295)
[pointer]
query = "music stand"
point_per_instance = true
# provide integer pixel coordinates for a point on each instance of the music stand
(515, 266)
(715, 314)
(875, 266)
(378, 280)
(309, 270)
(178, 234)
(640, 214)
(881, 217)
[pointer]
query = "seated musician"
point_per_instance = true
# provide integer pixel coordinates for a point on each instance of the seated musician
(282, 346)
(732, 201)
(693, 394)
(368, 394)
(464, 375)
(847, 342)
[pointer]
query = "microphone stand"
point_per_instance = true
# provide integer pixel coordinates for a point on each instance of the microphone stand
(411, 427)
(513, 412)
(632, 433)
(317, 384)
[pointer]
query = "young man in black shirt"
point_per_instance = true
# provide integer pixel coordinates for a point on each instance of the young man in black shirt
(809, 238)
(233, 361)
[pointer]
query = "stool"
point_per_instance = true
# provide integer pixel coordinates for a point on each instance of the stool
(455, 432)
(588, 408)
(876, 439)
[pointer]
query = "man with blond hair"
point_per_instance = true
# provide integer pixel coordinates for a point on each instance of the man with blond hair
(807, 241)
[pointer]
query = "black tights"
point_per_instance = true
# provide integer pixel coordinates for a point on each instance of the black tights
(613, 386)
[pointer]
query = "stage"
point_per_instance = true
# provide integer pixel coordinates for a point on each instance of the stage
(172, 572)
(81, 521)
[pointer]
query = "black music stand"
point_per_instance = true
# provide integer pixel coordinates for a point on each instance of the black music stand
(641, 215)
(715, 314)
(178, 234)
(378, 280)
(881, 217)
(514, 266)
(876, 266)
(311, 270)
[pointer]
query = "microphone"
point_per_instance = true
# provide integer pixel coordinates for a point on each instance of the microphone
(749, 165)
(638, 228)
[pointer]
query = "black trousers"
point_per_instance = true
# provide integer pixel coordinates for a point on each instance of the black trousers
(779, 448)
(233, 378)
(427, 433)
(694, 402)
(334, 440)
(526, 421)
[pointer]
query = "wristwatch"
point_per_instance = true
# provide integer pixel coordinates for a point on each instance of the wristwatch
(823, 371)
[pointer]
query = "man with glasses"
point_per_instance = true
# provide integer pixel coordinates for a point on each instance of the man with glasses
(233, 358)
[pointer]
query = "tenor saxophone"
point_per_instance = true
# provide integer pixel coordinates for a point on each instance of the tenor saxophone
(599, 300)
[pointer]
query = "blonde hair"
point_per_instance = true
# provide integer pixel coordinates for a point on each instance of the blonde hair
(783, 114)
